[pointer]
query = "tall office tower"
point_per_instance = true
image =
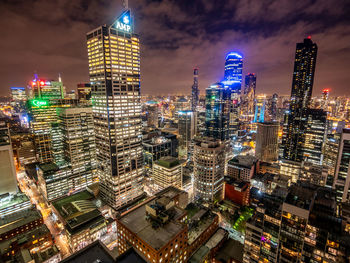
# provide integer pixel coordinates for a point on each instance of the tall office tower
(248, 98)
(233, 81)
(43, 124)
(8, 181)
(46, 89)
(315, 135)
(260, 105)
(187, 128)
(303, 79)
(342, 170)
(266, 148)
(84, 91)
(167, 171)
(152, 114)
(273, 107)
(79, 149)
(114, 69)
(18, 94)
(217, 104)
(325, 98)
(209, 166)
(195, 91)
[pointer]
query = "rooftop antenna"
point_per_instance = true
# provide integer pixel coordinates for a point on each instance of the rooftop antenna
(59, 77)
(125, 4)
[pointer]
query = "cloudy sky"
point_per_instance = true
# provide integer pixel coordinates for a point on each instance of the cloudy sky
(49, 37)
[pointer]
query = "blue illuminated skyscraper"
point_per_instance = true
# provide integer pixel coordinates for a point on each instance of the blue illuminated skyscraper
(233, 71)
(233, 82)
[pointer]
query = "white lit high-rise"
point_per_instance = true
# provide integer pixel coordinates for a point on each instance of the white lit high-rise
(114, 69)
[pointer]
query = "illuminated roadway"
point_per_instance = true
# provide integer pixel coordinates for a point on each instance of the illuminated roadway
(30, 189)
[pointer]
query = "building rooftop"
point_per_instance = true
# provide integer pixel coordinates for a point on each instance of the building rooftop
(48, 167)
(245, 161)
(8, 200)
(78, 211)
(25, 237)
(42, 256)
(136, 222)
(131, 256)
(18, 219)
(170, 192)
(94, 252)
(236, 183)
(231, 249)
(168, 162)
(300, 196)
(199, 223)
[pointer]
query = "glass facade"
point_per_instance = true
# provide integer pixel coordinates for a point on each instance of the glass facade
(217, 111)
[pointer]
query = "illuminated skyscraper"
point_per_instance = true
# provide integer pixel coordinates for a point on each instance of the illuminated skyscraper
(303, 79)
(233, 69)
(46, 89)
(249, 96)
(325, 97)
(195, 91)
(273, 107)
(217, 104)
(259, 113)
(315, 136)
(187, 128)
(233, 81)
(114, 69)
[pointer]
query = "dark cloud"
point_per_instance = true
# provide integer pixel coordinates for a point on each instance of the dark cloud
(178, 35)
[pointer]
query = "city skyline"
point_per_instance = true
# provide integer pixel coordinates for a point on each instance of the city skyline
(266, 44)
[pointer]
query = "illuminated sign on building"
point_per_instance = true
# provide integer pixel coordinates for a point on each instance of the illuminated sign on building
(123, 22)
(40, 103)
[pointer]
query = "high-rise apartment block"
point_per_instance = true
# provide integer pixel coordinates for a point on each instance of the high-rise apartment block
(342, 169)
(209, 166)
(315, 135)
(303, 226)
(114, 69)
(266, 148)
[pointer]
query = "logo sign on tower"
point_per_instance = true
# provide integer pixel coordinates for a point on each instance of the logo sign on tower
(124, 23)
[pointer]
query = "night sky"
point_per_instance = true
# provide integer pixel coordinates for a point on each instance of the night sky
(49, 36)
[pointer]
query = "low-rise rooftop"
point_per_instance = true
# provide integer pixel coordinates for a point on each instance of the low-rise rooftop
(18, 219)
(136, 221)
(245, 161)
(168, 162)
